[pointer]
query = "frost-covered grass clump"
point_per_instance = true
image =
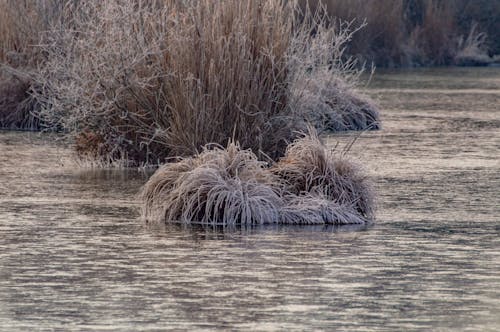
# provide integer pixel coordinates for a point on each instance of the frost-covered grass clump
(228, 186)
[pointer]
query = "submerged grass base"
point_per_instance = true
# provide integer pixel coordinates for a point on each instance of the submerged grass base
(228, 186)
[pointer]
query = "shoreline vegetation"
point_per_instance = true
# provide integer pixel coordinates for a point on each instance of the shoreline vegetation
(221, 93)
(122, 79)
(140, 83)
(414, 33)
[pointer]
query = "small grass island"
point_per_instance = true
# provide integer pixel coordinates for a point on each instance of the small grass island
(235, 92)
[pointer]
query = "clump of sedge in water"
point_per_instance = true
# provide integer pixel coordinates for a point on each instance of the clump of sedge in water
(228, 186)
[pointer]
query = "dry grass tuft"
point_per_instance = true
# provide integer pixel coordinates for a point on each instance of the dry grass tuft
(230, 186)
(325, 87)
(219, 186)
(196, 73)
(309, 168)
(318, 210)
(144, 81)
(473, 50)
(333, 106)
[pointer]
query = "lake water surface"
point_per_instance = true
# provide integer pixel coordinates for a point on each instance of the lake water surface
(74, 256)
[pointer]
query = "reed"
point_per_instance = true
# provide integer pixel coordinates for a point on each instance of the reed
(381, 39)
(16, 105)
(22, 24)
(417, 32)
(153, 80)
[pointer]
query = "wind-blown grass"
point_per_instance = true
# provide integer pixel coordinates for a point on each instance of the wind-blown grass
(231, 186)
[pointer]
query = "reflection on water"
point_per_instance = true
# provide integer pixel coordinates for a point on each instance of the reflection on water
(73, 255)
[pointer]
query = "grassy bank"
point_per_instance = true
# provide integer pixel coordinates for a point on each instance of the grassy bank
(421, 32)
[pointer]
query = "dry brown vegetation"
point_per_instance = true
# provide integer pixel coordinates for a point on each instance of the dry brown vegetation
(310, 185)
(22, 23)
(420, 32)
(149, 81)
(142, 82)
(16, 105)
(309, 168)
(472, 49)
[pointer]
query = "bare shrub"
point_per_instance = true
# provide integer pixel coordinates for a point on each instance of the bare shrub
(154, 80)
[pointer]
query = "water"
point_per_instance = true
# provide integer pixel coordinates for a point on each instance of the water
(73, 255)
